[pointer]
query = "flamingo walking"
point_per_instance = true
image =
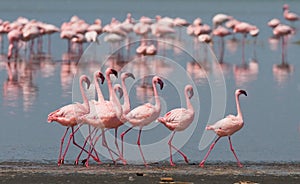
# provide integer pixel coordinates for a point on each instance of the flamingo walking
(178, 120)
(143, 115)
(69, 116)
(227, 127)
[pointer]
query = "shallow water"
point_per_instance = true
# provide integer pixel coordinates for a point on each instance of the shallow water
(38, 86)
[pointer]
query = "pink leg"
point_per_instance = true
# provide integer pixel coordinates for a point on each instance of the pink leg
(110, 151)
(231, 147)
(211, 147)
(69, 141)
(117, 146)
(139, 145)
(122, 138)
(180, 152)
(60, 161)
(96, 157)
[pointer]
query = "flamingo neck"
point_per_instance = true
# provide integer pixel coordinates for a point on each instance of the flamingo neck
(85, 99)
(116, 102)
(188, 102)
(157, 101)
(126, 104)
(99, 93)
(238, 107)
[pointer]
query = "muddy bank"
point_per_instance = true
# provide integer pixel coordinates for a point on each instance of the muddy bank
(29, 172)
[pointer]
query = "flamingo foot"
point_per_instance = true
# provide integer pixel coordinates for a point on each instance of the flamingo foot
(76, 162)
(172, 164)
(60, 162)
(201, 164)
(240, 165)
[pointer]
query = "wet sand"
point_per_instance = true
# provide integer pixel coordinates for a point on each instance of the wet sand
(30, 172)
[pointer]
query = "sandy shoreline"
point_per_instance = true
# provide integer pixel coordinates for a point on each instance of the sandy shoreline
(30, 172)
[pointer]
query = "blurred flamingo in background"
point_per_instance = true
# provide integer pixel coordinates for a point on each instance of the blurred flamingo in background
(289, 16)
(178, 120)
(227, 127)
(143, 115)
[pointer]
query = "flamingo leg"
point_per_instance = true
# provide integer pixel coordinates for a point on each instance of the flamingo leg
(210, 148)
(69, 141)
(117, 146)
(231, 148)
(122, 138)
(96, 157)
(60, 161)
(176, 149)
(139, 145)
(110, 151)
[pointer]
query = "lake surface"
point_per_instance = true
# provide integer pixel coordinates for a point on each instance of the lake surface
(32, 88)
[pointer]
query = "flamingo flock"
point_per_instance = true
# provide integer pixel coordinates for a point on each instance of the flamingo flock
(104, 114)
(101, 115)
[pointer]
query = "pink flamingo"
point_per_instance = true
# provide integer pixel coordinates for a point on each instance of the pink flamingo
(106, 113)
(289, 16)
(221, 32)
(144, 115)
(14, 37)
(273, 23)
(69, 116)
(282, 31)
(220, 18)
(227, 127)
(178, 120)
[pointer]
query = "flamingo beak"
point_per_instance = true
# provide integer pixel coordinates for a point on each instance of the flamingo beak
(101, 76)
(130, 75)
(120, 90)
(161, 83)
(114, 72)
(191, 93)
(243, 92)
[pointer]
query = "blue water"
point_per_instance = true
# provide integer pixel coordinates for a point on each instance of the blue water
(272, 123)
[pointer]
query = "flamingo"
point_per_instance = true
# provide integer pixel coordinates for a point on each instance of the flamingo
(106, 113)
(144, 115)
(178, 120)
(227, 127)
(69, 116)
(220, 18)
(221, 32)
(282, 31)
(289, 16)
(125, 110)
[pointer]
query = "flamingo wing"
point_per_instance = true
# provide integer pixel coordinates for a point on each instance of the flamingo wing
(141, 112)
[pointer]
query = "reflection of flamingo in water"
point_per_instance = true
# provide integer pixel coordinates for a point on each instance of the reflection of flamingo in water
(144, 115)
(178, 120)
(69, 116)
(227, 127)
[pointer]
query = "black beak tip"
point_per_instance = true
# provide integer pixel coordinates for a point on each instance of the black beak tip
(114, 72)
(243, 92)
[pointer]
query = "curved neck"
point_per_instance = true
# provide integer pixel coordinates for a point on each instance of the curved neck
(99, 92)
(189, 105)
(85, 99)
(126, 104)
(238, 107)
(157, 101)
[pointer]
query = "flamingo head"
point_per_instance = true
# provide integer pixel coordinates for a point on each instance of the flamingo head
(100, 76)
(111, 71)
(126, 75)
(156, 79)
(240, 91)
(285, 7)
(86, 80)
(118, 88)
(189, 89)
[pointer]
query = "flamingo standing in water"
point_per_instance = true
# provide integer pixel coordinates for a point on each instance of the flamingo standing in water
(227, 127)
(69, 116)
(289, 16)
(144, 114)
(178, 120)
